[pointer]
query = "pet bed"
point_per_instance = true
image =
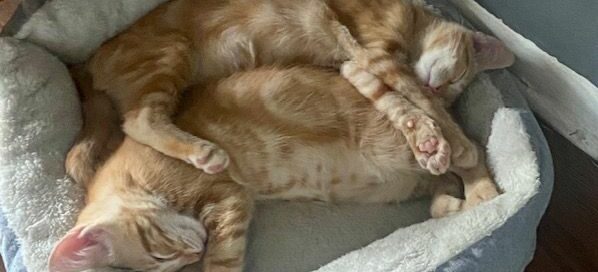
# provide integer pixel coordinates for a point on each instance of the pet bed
(40, 116)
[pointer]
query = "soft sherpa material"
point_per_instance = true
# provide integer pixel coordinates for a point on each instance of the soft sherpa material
(41, 117)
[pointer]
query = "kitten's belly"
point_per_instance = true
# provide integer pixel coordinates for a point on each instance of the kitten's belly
(329, 172)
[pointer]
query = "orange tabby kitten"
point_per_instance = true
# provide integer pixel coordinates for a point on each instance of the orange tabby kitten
(183, 42)
(296, 133)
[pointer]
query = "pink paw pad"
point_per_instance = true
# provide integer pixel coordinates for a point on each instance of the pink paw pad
(209, 158)
(429, 146)
(431, 150)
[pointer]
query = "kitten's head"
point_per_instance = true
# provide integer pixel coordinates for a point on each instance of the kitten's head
(453, 55)
(160, 241)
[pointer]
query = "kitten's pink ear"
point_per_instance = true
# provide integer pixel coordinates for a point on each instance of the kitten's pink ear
(491, 53)
(82, 248)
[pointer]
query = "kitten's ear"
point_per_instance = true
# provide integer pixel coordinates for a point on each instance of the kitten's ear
(491, 53)
(82, 248)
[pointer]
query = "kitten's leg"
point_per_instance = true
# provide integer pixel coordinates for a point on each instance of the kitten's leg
(401, 79)
(423, 135)
(145, 73)
(445, 196)
(478, 183)
(99, 136)
(226, 214)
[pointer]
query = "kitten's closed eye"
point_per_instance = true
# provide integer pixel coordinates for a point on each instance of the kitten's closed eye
(163, 258)
(124, 269)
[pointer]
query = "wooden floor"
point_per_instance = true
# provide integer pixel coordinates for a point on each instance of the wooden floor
(568, 233)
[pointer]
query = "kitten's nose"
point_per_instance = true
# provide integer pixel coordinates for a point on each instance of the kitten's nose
(431, 88)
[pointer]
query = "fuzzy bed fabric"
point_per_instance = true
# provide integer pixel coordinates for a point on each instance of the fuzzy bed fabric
(40, 115)
(39, 118)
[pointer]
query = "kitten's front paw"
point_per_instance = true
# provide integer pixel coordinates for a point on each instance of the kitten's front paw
(209, 157)
(431, 149)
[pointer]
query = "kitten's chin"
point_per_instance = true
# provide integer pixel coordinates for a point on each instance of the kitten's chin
(434, 91)
(437, 91)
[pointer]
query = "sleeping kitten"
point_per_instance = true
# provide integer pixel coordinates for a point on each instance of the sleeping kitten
(145, 69)
(295, 133)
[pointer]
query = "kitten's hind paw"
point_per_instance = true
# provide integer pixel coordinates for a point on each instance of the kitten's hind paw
(482, 191)
(209, 157)
(445, 205)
